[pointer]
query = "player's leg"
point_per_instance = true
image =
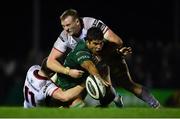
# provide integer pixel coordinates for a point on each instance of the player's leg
(118, 100)
(140, 91)
(105, 73)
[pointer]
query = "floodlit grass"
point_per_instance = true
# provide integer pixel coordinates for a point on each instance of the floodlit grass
(130, 112)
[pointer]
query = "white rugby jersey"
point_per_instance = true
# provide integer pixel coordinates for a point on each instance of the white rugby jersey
(36, 88)
(65, 41)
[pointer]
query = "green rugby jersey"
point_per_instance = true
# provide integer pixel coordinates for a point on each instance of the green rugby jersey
(73, 60)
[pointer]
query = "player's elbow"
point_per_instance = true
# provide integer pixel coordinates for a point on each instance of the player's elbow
(119, 42)
(49, 62)
(64, 97)
(61, 96)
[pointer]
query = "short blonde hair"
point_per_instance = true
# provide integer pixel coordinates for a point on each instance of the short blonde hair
(69, 12)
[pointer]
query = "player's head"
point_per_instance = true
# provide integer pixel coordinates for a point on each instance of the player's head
(49, 73)
(94, 39)
(70, 21)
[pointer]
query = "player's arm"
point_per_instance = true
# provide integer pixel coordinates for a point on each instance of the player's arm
(91, 68)
(56, 66)
(106, 75)
(69, 94)
(108, 33)
(112, 37)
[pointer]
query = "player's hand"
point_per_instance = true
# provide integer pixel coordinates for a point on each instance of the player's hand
(105, 82)
(124, 51)
(76, 73)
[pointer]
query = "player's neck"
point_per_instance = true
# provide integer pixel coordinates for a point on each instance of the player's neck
(41, 73)
(77, 35)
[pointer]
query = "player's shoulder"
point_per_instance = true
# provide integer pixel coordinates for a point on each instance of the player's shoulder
(63, 36)
(81, 45)
(87, 19)
(93, 22)
(34, 67)
(88, 22)
(81, 48)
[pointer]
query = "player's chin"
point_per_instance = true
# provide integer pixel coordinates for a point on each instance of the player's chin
(71, 33)
(97, 53)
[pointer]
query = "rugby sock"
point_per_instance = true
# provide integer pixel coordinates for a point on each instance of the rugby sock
(148, 98)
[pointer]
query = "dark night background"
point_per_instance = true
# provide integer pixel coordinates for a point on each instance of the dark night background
(29, 29)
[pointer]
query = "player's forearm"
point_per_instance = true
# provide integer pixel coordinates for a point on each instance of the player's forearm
(74, 92)
(112, 37)
(56, 66)
(90, 67)
(69, 94)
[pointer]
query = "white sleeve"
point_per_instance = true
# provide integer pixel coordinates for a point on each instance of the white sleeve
(92, 22)
(50, 88)
(60, 45)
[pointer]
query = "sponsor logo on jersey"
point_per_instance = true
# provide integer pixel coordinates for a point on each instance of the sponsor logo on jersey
(83, 57)
(99, 24)
(30, 83)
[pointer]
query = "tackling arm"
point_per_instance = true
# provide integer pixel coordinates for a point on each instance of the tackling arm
(56, 66)
(69, 94)
(112, 37)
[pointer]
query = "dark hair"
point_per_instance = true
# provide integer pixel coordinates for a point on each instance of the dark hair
(94, 33)
(49, 73)
(69, 12)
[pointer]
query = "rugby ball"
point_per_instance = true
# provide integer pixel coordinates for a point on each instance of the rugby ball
(95, 88)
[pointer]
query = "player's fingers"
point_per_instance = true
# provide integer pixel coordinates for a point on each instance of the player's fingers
(106, 83)
(80, 71)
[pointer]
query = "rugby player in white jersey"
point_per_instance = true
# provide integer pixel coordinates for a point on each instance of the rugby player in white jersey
(75, 29)
(38, 87)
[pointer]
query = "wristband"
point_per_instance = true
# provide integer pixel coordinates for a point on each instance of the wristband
(66, 71)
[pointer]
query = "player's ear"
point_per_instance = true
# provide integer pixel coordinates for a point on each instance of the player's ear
(77, 21)
(87, 42)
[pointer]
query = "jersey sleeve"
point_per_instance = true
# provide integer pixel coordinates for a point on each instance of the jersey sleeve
(50, 88)
(82, 56)
(61, 42)
(92, 22)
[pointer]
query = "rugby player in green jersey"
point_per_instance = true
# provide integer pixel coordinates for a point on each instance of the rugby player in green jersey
(74, 30)
(82, 58)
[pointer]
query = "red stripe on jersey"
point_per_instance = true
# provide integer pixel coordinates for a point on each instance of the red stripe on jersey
(58, 50)
(54, 91)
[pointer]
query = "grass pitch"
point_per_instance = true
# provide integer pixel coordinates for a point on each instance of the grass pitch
(89, 112)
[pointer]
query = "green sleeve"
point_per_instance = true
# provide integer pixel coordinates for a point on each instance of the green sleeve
(82, 56)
